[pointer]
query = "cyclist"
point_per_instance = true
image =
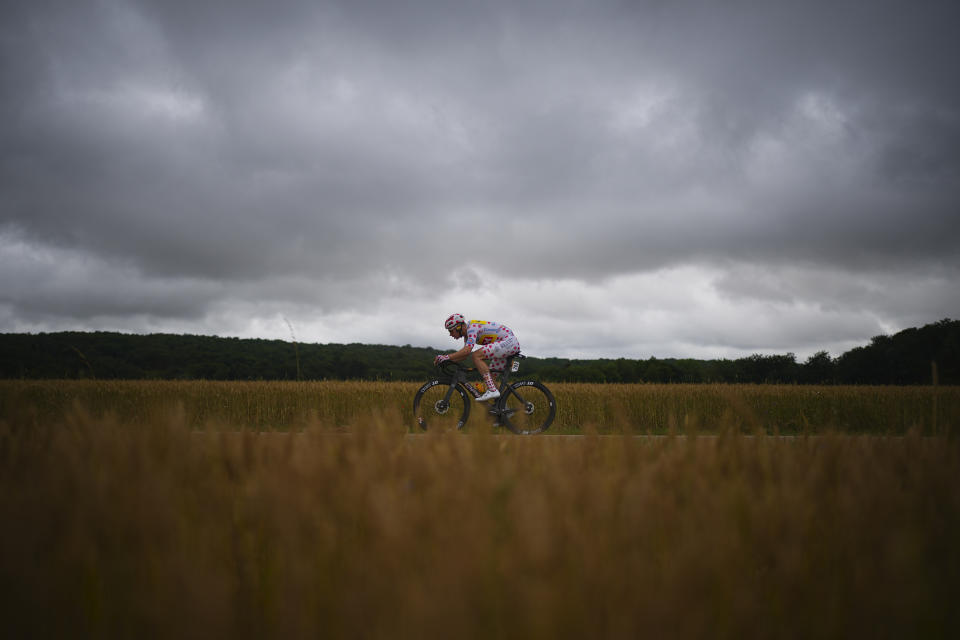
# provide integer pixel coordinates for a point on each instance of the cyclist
(484, 341)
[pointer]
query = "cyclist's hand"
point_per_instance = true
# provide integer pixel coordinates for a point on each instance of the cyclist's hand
(440, 359)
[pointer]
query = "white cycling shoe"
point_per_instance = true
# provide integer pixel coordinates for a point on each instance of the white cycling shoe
(489, 395)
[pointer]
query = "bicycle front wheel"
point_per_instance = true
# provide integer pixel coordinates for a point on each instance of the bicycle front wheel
(437, 406)
(528, 408)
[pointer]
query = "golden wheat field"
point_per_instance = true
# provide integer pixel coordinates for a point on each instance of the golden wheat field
(201, 509)
(608, 408)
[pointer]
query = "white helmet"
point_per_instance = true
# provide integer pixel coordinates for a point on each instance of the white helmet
(453, 321)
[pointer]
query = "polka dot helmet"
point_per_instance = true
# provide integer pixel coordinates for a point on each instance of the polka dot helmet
(453, 321)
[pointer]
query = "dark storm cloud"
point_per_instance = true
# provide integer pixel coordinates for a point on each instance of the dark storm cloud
(238, 150)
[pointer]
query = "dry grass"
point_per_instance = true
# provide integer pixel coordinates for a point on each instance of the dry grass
(612, 408)
(129, 522)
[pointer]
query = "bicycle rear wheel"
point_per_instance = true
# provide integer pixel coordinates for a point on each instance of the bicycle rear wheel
(528, 408)
(432, 409)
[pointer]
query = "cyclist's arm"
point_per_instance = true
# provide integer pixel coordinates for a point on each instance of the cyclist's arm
(462, 354)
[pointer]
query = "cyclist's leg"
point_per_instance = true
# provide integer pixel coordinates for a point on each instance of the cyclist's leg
(482, 353)
(497, 353)
(504, 349)
(511, 349)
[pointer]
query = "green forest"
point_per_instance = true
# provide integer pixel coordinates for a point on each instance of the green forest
(925, 355)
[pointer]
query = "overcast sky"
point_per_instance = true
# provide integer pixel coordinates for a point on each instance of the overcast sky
(610, 178)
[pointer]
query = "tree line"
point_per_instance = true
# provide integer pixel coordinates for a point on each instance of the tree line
(914, 356)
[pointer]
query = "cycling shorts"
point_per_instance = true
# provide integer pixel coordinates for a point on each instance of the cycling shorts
(498, 352)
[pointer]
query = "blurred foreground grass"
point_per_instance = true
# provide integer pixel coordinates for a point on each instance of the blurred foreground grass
(124, 520)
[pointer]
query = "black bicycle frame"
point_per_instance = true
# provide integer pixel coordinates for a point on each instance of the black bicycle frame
(460, 376)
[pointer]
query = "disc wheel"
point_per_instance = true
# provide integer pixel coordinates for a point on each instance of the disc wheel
(529, 408)
(432, 410)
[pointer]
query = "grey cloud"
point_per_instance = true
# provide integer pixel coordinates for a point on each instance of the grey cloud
(44, 283)
(239, 146)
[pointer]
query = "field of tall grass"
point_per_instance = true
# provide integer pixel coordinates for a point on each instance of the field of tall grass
(609, 408)
(306, 510)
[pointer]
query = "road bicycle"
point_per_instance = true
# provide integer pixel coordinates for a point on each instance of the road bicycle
(524, 407)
